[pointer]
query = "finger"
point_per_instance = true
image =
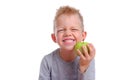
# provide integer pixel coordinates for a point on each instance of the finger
(81, 55)
(91, 50)
(85, 51)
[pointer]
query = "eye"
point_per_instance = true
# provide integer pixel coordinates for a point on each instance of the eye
(60, 30)
(74, 29)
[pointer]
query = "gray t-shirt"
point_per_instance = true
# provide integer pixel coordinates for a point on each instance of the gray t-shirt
(54, 68)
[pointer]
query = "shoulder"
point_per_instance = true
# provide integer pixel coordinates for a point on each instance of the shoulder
(48, 59)
(51, 55)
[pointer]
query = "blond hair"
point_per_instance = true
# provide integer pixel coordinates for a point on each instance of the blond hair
(67, 10)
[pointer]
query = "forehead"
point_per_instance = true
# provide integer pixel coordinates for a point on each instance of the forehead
(68, 20)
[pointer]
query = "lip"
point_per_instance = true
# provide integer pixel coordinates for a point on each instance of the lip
(69, 42)
(68, 39)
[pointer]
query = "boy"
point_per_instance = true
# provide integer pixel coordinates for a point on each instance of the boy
(63, 63)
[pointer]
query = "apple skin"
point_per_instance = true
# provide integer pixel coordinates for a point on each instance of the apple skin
(79, 45)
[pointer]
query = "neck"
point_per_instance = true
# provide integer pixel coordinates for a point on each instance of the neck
(67, 55)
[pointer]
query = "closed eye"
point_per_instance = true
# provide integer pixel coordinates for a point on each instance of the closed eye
(75, 29)
(60, 30)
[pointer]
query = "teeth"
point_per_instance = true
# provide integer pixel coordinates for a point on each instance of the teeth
(68, 40)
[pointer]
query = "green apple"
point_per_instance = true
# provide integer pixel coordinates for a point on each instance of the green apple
(79, 45)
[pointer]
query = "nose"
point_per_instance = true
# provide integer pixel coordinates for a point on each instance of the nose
(68, 33)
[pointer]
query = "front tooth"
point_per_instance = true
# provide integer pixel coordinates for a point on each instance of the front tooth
(68, 40)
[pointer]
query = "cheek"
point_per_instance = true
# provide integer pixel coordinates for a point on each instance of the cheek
(78, 36)
(58, 38)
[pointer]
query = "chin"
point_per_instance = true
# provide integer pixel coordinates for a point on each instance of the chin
(69, 48)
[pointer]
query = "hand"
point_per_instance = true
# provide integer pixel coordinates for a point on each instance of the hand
(86, 57)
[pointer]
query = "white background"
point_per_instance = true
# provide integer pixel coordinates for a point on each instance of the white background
(25, 35)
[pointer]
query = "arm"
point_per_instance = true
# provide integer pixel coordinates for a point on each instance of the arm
(89, 74)
(87, 63)
(44, 70)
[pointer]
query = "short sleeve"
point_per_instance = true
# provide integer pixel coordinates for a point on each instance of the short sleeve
(89, 74)
(44, 69)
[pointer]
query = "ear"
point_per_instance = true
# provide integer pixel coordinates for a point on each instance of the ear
(84, 34)
(53, 37)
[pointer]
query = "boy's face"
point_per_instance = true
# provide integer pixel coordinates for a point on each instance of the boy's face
(68, 31)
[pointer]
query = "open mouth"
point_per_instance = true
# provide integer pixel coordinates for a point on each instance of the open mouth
(68, 40)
